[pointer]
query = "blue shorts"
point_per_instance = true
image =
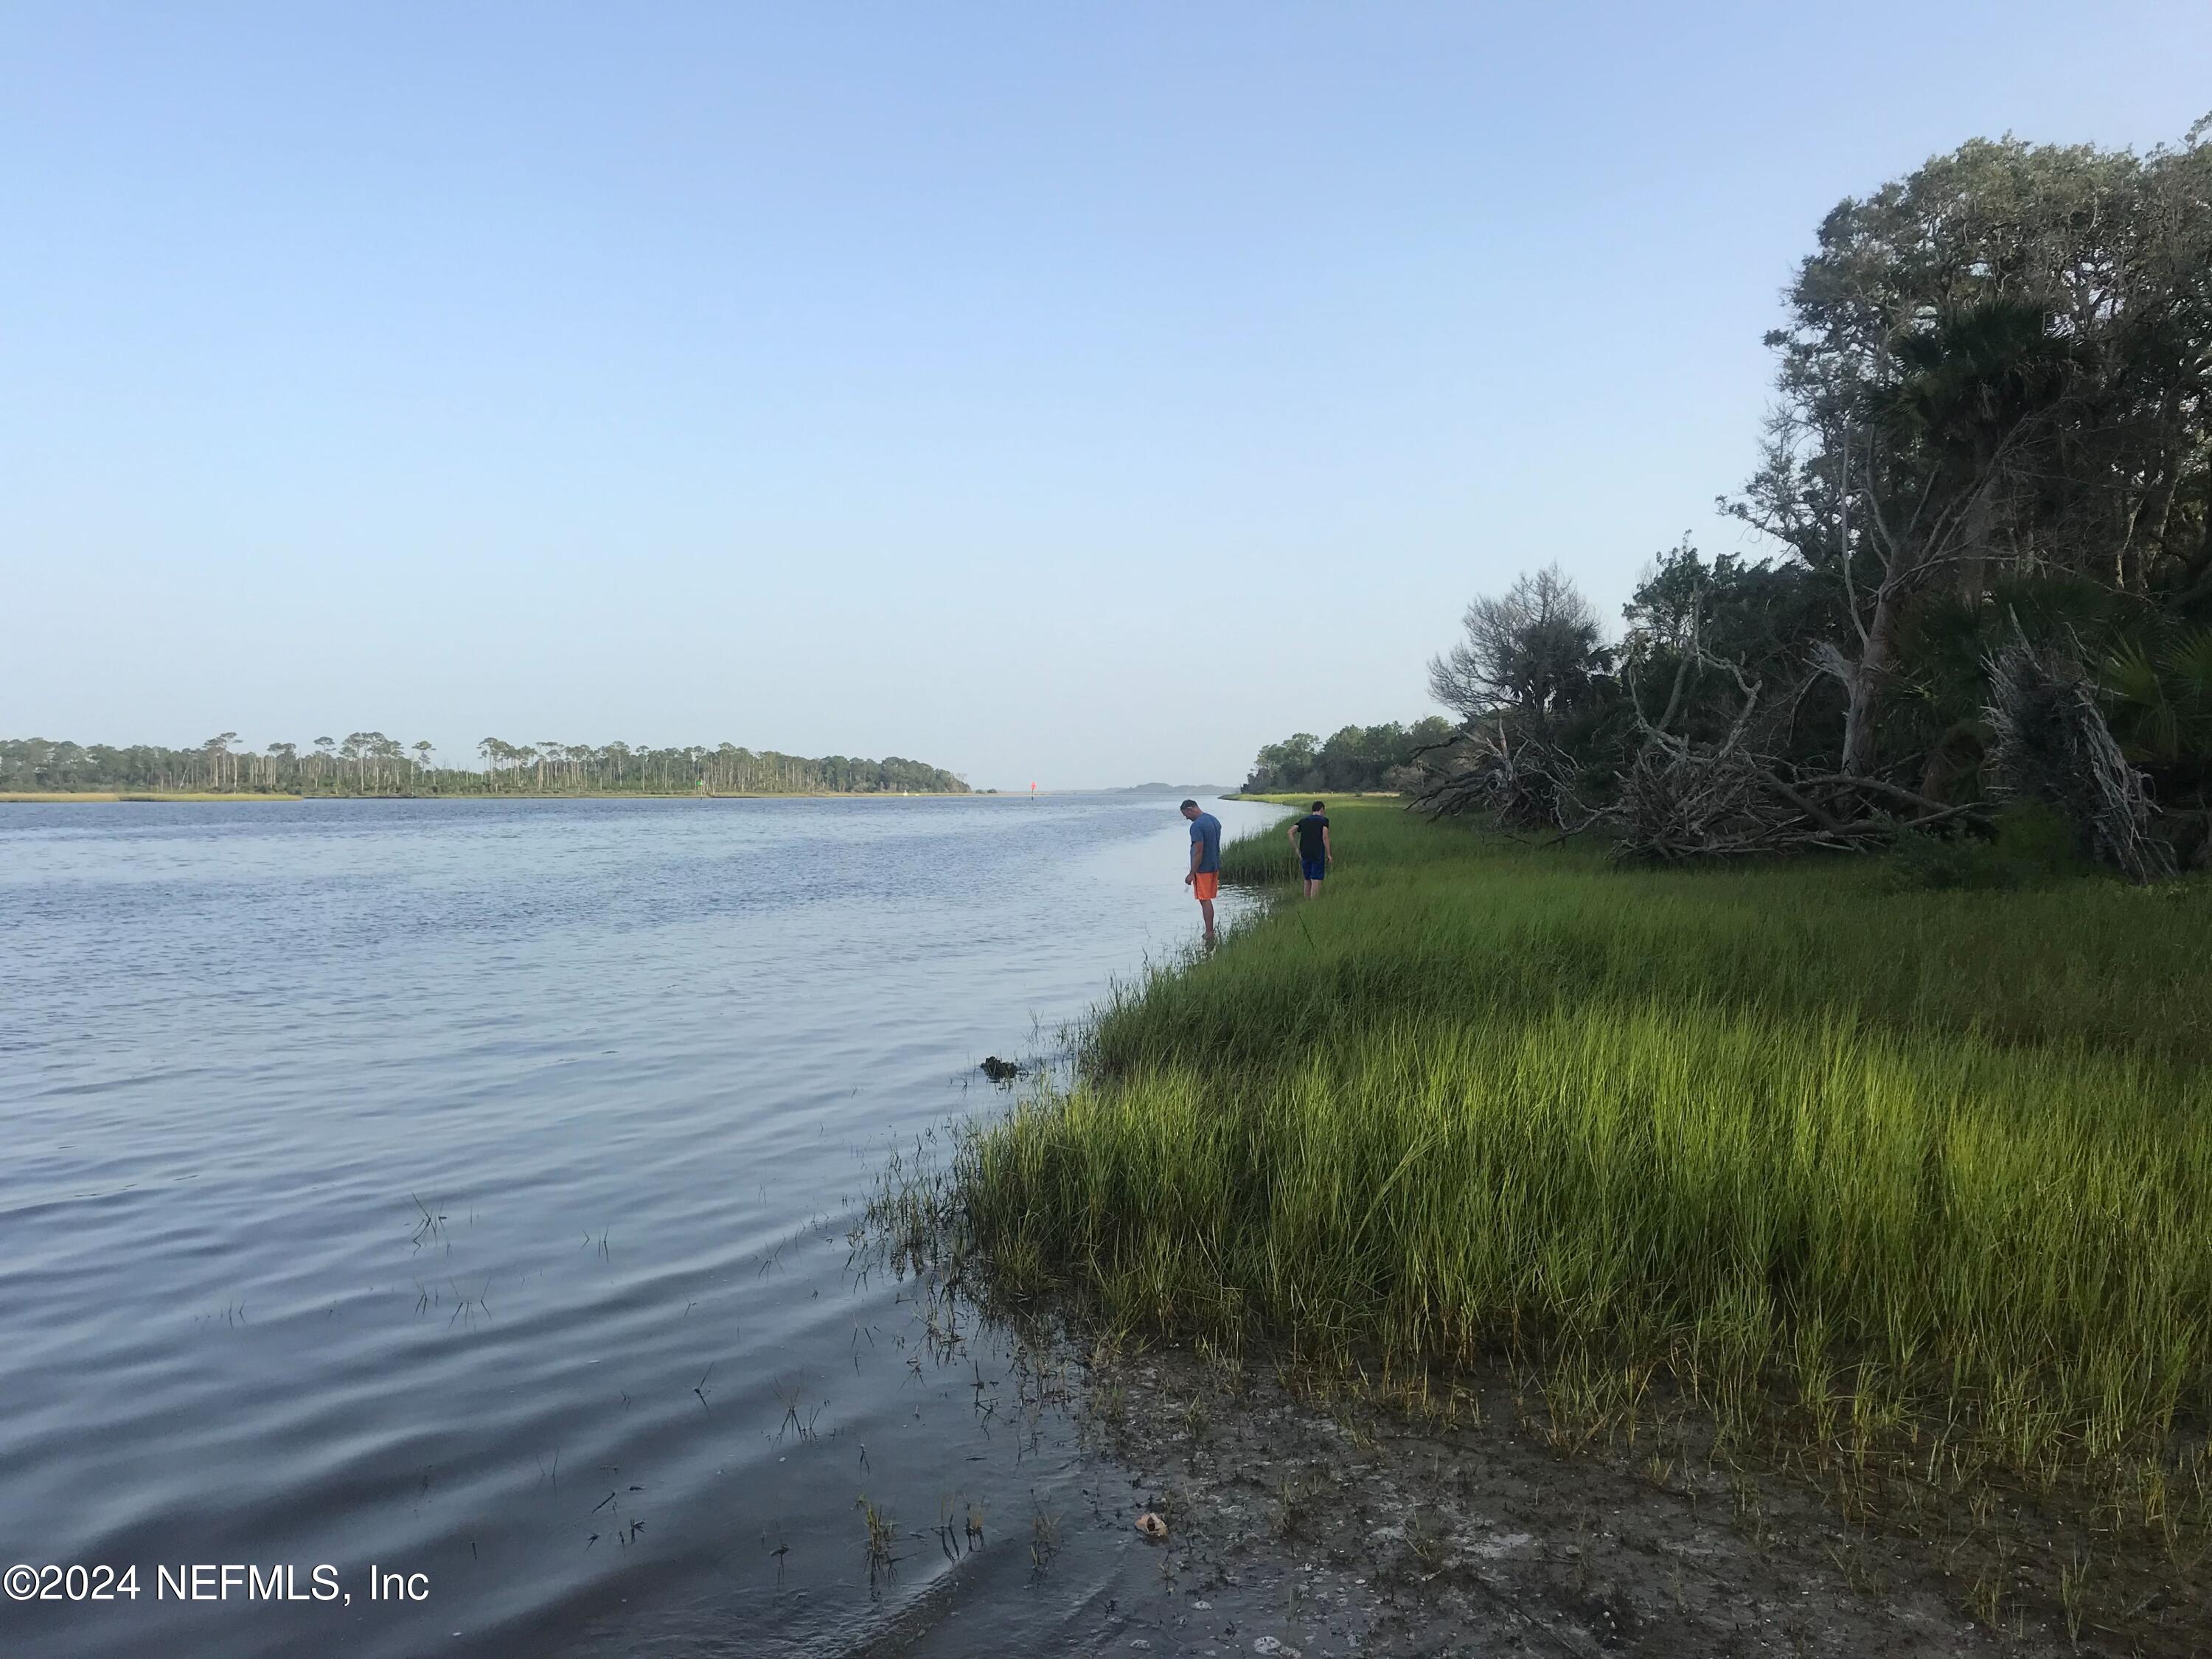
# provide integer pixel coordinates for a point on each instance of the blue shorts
(1316, 869)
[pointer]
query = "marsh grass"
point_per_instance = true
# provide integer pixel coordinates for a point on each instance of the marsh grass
(882, 1538)
(1909, 1188)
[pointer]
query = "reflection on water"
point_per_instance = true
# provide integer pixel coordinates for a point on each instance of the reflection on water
(465, 1188)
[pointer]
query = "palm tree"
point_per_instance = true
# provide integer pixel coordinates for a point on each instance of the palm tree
(1974, 381)
(217, 749)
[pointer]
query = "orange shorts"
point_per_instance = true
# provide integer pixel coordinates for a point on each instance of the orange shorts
(1206, 887)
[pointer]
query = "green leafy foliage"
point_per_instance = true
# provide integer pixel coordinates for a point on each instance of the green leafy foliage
(1356, 758)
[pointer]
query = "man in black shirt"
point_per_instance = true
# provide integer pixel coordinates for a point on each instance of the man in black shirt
(1310, 835)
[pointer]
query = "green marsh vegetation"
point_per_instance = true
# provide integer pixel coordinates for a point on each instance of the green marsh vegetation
(1902, 1187)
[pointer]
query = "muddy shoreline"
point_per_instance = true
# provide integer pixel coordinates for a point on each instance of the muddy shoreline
(1377, 1533)
(1305, 1522)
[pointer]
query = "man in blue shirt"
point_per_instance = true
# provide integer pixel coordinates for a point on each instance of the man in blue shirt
(1205, 878)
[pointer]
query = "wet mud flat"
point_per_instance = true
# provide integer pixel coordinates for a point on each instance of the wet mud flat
(1304, 1521)
(1341, 1526)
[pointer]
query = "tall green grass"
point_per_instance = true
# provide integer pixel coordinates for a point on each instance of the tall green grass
(1905, 1168)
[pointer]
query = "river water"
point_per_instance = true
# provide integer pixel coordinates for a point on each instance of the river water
(463, 1188)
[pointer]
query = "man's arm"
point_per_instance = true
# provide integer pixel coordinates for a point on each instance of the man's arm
(1197, 848)
(1327, 853)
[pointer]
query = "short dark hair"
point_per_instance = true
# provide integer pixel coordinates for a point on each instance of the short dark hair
(1188, 803)
(1318, 807)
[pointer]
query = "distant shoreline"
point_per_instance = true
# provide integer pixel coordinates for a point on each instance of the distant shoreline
(36, 797)
(165, 797)
(1299, 797)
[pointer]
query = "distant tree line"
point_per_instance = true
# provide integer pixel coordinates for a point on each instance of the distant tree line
(371, 764)
(1358, 757)
(1986, 589)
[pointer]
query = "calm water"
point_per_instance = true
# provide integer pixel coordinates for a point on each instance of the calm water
(464, 1188)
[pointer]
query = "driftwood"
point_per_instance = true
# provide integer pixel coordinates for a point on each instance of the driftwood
(1526, 783)
(1677, 798)
(2053, 746)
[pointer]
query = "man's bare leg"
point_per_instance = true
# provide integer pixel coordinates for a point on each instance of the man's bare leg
(1205, 910)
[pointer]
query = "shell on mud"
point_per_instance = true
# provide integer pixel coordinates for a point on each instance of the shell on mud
(1152, 1525)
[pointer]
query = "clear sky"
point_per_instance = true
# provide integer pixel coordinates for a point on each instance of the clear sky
(1076, 393)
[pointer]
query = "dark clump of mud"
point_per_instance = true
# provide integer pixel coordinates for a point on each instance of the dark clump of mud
(1308, 1525)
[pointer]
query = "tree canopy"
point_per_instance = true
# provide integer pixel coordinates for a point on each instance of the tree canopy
(1987, 489)
(1356, 758)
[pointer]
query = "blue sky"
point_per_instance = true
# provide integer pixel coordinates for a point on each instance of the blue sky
(1070, 393)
